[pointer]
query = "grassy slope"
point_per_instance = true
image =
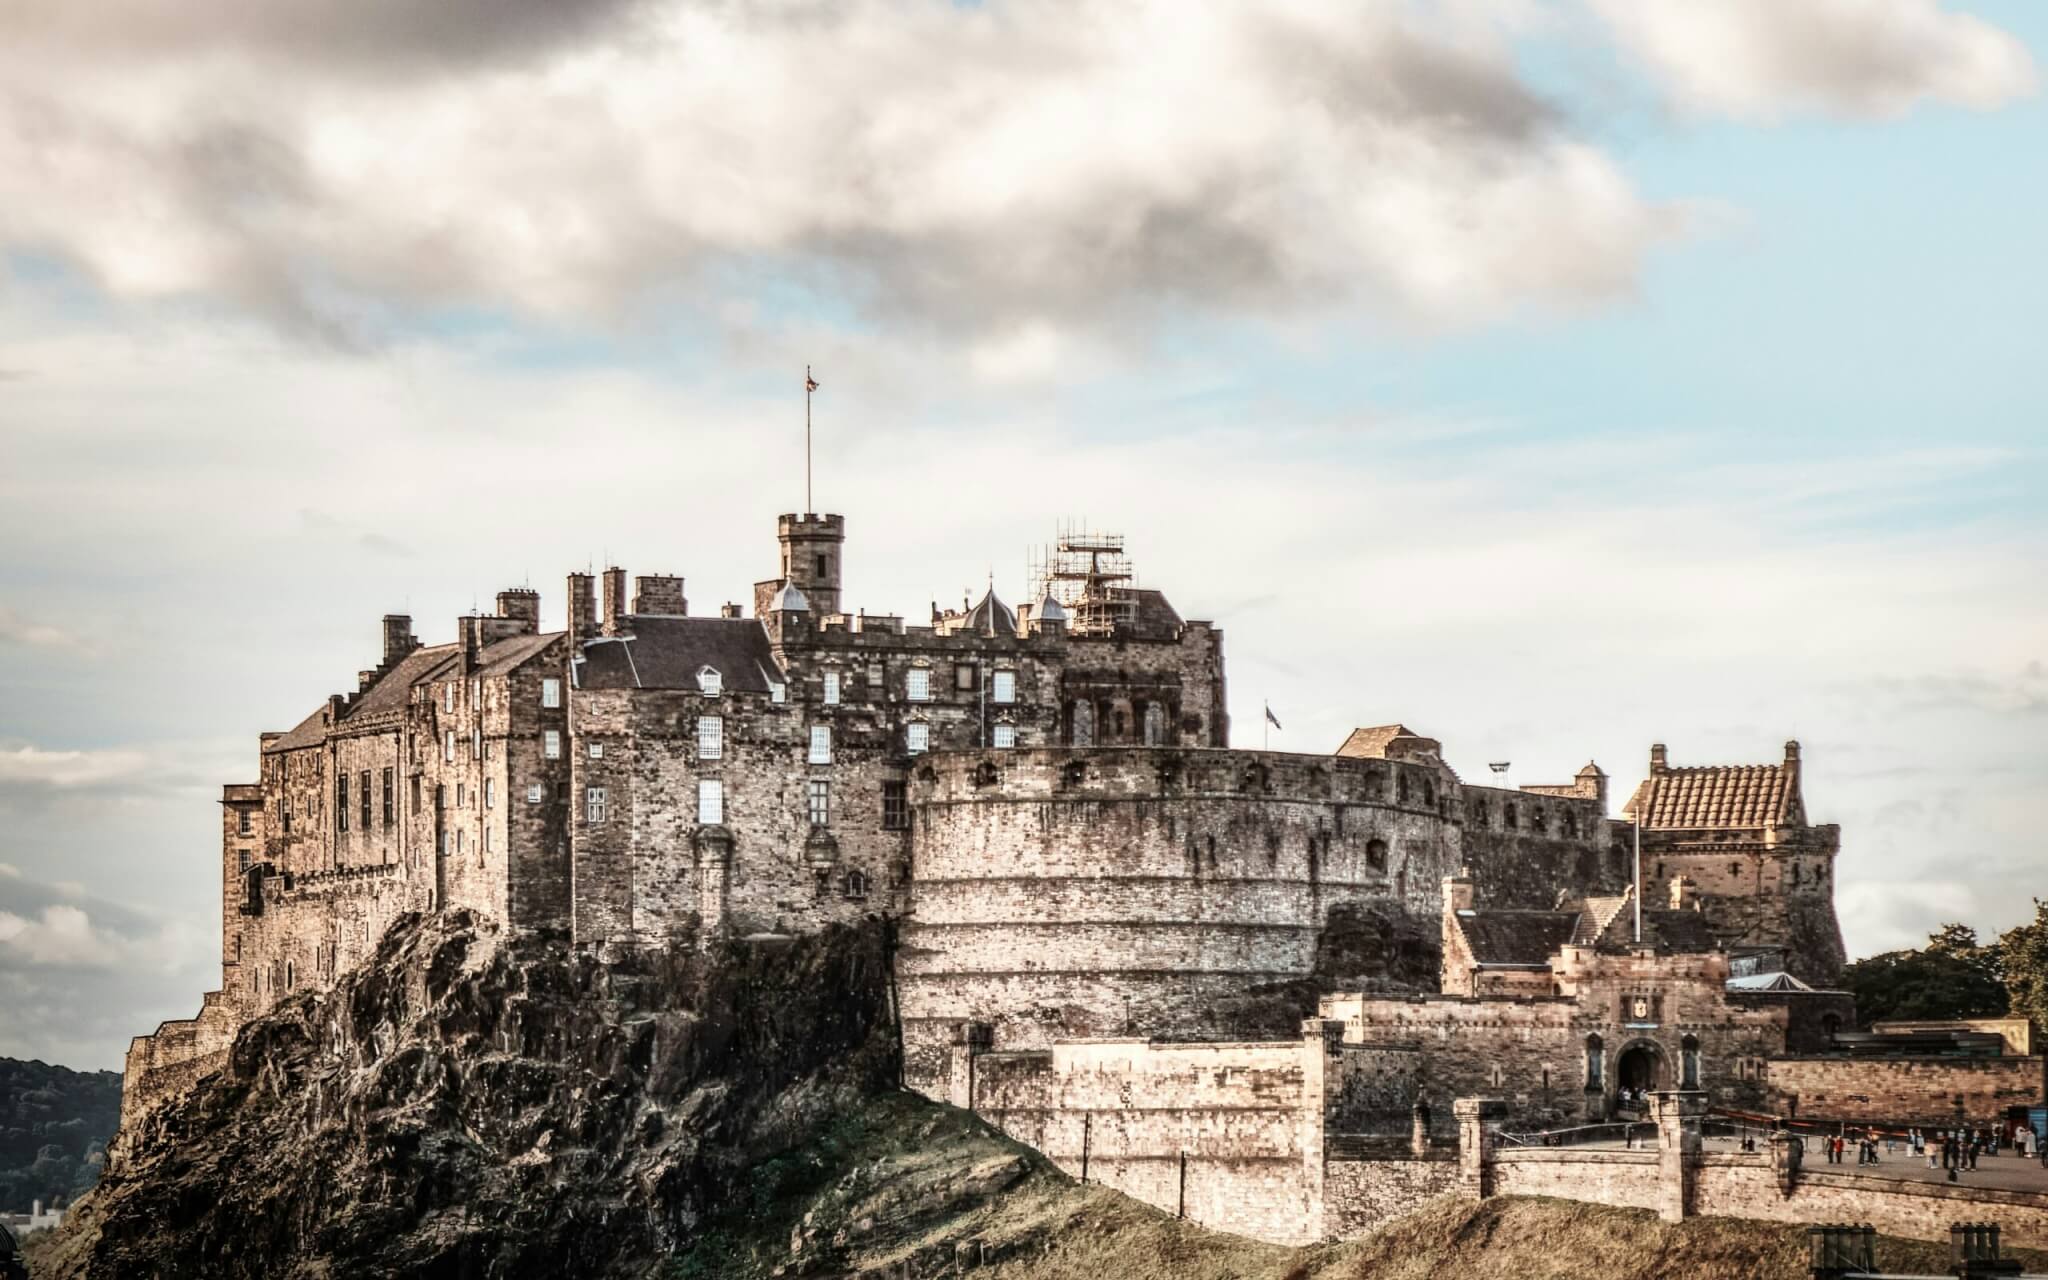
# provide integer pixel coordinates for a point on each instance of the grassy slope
(903, 1180)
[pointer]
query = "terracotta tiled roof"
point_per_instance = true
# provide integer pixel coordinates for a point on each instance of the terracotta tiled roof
(1719, 797)
(1372, 743)
(1516, 937)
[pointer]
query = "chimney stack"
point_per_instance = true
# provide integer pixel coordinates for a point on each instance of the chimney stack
(582, 608)
(1657, 764)
(470, 627)
(398, 638)
(658, 595)
(730, 610)
(1792, 752)
(614, 599)
(522, 605)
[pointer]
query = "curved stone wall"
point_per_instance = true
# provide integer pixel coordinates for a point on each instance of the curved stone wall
(1062, 892)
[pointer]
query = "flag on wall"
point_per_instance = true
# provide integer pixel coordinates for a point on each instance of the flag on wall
(1271, 718)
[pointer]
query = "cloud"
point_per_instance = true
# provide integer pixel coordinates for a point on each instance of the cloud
(27, 766)
(15, 629)
(1002, 173)
(1764, 59)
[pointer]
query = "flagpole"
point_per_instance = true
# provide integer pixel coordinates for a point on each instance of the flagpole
(808, 384)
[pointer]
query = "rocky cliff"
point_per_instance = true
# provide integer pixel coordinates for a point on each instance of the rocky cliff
(463, 1106)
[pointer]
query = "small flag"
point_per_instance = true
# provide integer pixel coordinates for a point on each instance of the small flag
(810, 383)
(1271, 718)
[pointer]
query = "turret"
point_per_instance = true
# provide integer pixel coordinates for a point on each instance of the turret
(812, 546)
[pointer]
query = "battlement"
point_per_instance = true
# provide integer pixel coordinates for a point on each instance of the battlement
(1111, 773)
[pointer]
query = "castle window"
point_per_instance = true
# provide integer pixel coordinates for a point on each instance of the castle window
(1003, 736)
(1689, 1063)
(856, 885)
(440, 798)
(551, 744)
(895, 806)
(824, 567)
(710, 682)
(461, 796)
(821, 744)
(1571, 823)
(818, 802)
(533, 793)
(1376, 854)
(244, 859)
(595, 751)
(1082, 724)
(1508, 819)
(917, 737)
(710, 802)
(875, 680)
(777, 691)
(490, 793)
(390, 796)
(448, 696)
(710, 737)
(448, 747)
(341, 802)
(593, 806)
(1795, 873)
(244, 822)
(918, 685)
(1595, 1062)
(1539, 821)
(363, 797)
(550, 692)
(458, 839)
(831, 688)
(1735, 870)
(476, 744)
(1004, 688)
(964, 677)
(1428, 792)
(476, 695)
(1401, 788)
(487, 840)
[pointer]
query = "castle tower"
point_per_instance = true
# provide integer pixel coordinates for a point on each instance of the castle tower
(811, 549)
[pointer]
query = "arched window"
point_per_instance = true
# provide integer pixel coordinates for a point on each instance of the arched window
(1689, 1063)
(1155, 725)
(1595, 1063)
(1376, 854)
(856, 885)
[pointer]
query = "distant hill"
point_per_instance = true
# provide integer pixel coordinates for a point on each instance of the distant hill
(55, 1124)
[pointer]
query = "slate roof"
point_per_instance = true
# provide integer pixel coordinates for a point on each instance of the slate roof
(667, 653)
(507, 655)
(394, 690)
(991, 617)
(1516, 937)
(310, 732)
(1152, 618)
(1719, 797)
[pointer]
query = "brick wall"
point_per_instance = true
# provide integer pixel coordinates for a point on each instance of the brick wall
(1930, 1092)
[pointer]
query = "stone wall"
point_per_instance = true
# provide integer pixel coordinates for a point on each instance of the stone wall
(1227, 1134)
(1745, 1186)
(1062, 893)
(1627, 1179)
(1928, 1092)
(1360, 1196)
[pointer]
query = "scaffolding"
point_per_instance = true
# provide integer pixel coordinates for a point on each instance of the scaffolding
(1091, 577)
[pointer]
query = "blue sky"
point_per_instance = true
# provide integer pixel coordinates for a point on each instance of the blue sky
(1553, 377)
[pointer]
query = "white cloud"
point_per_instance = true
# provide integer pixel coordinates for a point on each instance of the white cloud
(32, 767)
(1762, 59)
(1000, 172)
(16, 629)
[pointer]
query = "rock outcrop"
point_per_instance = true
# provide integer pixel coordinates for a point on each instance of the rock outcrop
(463, 1106)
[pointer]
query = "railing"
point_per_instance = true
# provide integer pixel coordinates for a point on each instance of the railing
(1628, 1133)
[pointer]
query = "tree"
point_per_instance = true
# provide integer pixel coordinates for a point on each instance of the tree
(2024, 952)
(1951, 977)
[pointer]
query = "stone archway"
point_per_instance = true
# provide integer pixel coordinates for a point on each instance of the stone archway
(1640, 1069)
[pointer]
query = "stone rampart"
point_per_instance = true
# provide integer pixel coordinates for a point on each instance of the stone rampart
(1929, 1092)
(1063, 893)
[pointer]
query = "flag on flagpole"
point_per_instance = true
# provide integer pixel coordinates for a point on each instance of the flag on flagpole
(1271, 718)
(810, 383)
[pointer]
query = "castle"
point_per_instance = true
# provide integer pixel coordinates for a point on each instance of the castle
(1100, 900)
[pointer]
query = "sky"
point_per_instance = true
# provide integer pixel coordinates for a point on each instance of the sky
(1553, 377)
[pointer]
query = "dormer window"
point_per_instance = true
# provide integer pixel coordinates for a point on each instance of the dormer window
(710, 682)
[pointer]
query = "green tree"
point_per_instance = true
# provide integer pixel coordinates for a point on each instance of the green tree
(2023, 950)
(1951, 977)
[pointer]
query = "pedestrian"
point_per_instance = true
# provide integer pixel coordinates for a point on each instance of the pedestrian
(1929, 1148)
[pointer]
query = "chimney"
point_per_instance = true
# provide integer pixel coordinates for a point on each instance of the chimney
(1657, 764)
(614, 599)
(1458, 891)
(582, 608)
(659, 595)
(521, 604)
(470, 627)
(398, 638)
(729, 611)
(1792, 752)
